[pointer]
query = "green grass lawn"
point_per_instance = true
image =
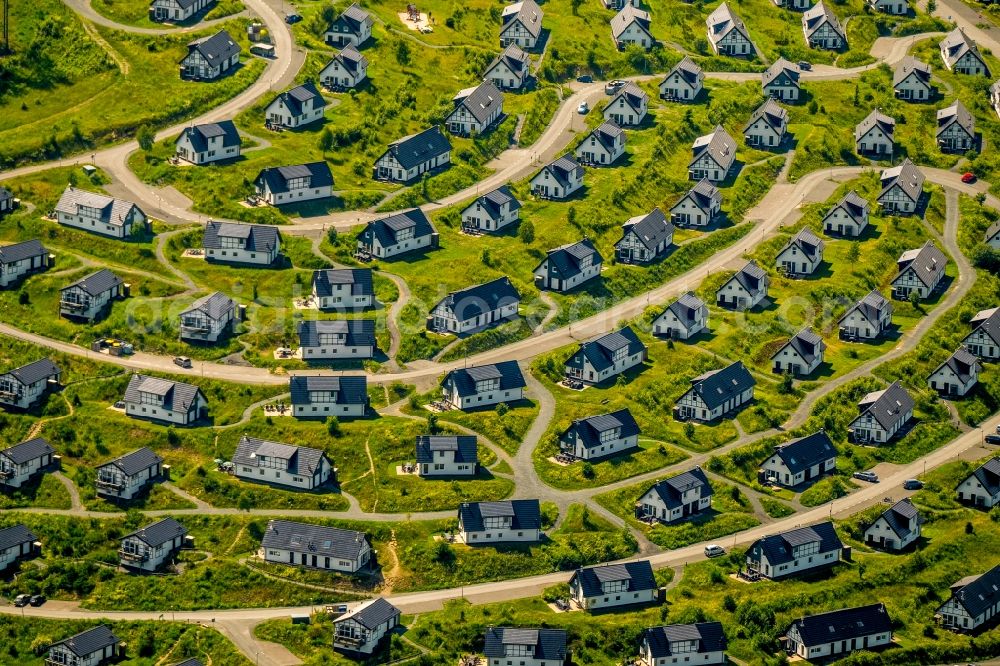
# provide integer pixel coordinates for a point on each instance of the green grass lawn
(505, 427)
(313, 644)
(42, 491)
(136, 12)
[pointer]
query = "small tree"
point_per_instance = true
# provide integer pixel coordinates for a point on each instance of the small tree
(853, 253)
(914, 299)
(73, 179)
(502, 409)
(333, 426)
(326, 140)
(145, 136)
(587, 470)
(527, 232)
(689, 431)
(331, 235)
(432, 424)
(23, 298)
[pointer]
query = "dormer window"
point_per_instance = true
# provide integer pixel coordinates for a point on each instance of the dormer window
(332, 338)
(231, 242)
(322, 396)
(519, 650)
(484, 385)
(610, 434)
(404, 234)
(150, 398)
(619, 354)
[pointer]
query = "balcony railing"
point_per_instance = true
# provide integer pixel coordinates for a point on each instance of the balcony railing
(351, 640)
(110, 483)
(73, 305)
(132, 556)
(10, 396)
(6, 472)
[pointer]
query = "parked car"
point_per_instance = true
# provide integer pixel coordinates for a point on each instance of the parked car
(912, 484)
(712, 550)
(584, 108)
(182, 361)
(37, 600)
(870, 477)
(805, 65)
(968, 177)
(292, 18)
(22, 600)
(993, 439)
(612, 87)
(585, 78)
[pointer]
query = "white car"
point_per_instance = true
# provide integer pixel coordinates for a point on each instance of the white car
(713, 550)
(584, 108)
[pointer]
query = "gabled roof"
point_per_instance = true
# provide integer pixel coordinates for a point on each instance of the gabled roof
(31, 449)
(638, 575)
(989, 326)
(525, 514)
(294, 98)
(626, 17)
(704, 194)
(5, 194)
(350, 389)
(710, 637)
(96, 283)
(371, 614)
(215, 306)
(350, 59)
(10, 254)
(87, 642)
(355, 332)
(718, 144)
(199, 135)
(807, 242)
(771, 113)
(563, 168)
(316, 539)
(360, 280)
(549, 644)
(687, 306)
(723, 21)
(778, 548)
(650, 229)
(481, 298)
(464, 379)
(177, 396)
(899, 515)
(277, 178)
(814, 17)
(589, 430)
(600, 351)
(806, 343)
(688, 70)
(492, 202)
(962, 363)
(870, 307)
(979, 593)
(927, 262)
(993, 232)
(466, 447)
(527, 12)
(34, 372)
(567, 261)
(480, 101)
(15, 535)
(801, 454)
(956, 113)
(671, 491)
(956, 44)
(888, 405)
(910, 65)
(843, 625)
(258, 237)
(134, 462)
(633, 95)
(988, 476)
(216, 49)
(416, 149)
(852, 204)
(715, 387)
(109, 209)
(190, 662)
(776, 69)
(516, 60)
(354, 17)
(750, 277)
(301, 460)
(159, 532)
(875, 119)
(909, 178)
(386, 229)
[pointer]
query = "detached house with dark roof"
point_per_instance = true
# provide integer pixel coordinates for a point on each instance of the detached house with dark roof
(956, 129)
(839, 632)
(21, 259)
(151, 547)
(483, 385)
(412, 156)
(645, 238)
(100, 214)
(21, 388)
(630, 26)
(353, 27)
(911, 80)
(209, 58)
(521, 24)
(320, 397)
(164, 400)
(17, 542)
(629, 105)
(867, 319)
(716, 393)
(961, 55)
(893, 7)
(902, 187)
(781, 81)
(974, 602)
(93, 647)
(684, 318)
(676, 498)
(727, 33)
(801, 255)
(176, 10)
(822, 28)
(129, 475)
(920, 270)
(712, 156)
(611, 585)
(981, 489)
(343, 288)
(316, 546)
(532, 647)
(476, 111)
(475, 308)
(207, 143)
(398, 234)
(362, 628)
(984, 340)
(491, 212)
(296, 107)
(447, 455)
(767, 127)
(90, 298)
(606, 356)
(237, 243)
(558, 179)
(209, 319)
(993, 236)
(958, 375)
(280, 186)
(882, 414)
(21, 462)
(568, 266)
(295, 467)
(345, 71)
(699, 207)
(745, 290)
(683, 83)
(600, 436)
(875, 135)
(701, 643)
(794, 552)
(602, 146)
(799, 461)
(337, 339)
(499, 522)
(7, 201)
(896, 528)
(801, 355)
(848, 217)
(511, 70)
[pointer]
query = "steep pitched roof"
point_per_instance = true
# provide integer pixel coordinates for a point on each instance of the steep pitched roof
(686, 308)
(637, 575)
(989, 326)
(177, 396)
(589, 429)
(525, 514)
(135, 461)
(15, 535)
(527, 12)
(96, 283)
(464, 379)
(466, 447)
(715, 387)
(910, 65)
(258, 237)
(899, 515)
(771, 113)
(216, 49)
(778, 548)
(750, 277)
(199, 135)
(549, 644)
(650, 229)
(909, 178)
(34, 372)
(360, 280)
(927, 262)
(416, 149)
(844, 624)
(718, 144)
(626, 17)
(962, 363)
(215, 306)
(480, 101)
(671, 491)
(354, 17)
(956, 44)
(709, 635)
(806, 343)
(159, 532)
(871, 306)
(492, 202)
(350, 59)
(480, 298)
(780, 66)
(688, 70)
(888, 405)
(600, 351)
(28, 450)
(887, 124)
(956, 113)
(516, 60)
(819, 14)
(852, 204)
(296, 97)
(386, 229)
(563, 168)
(704, 194)
(277, 178)
(87, 642)
(988, 476)
(802, 453)
(10, 254)
(301, 460)
(109, 209)
(350, 389)
(980, 593)
(317, 539)
(351, 332)
(723, 21)
(568, 260)
(807, 242)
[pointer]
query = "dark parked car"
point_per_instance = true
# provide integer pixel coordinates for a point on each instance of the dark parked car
(993, 439)
(37, 600)
(585, 78)
(22, 600)
(292, 18)
(805, 66)
(912, 484)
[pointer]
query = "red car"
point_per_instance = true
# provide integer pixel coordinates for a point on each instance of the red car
(968, 177)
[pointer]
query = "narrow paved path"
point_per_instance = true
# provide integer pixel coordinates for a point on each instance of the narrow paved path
(74, 493)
